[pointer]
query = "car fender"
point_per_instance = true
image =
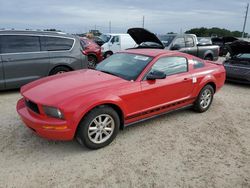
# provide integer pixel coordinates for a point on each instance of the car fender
(208, 52)
(105, 47)
(84, 108)
(207, 79)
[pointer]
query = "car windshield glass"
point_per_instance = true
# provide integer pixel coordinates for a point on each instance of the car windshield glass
(166, 39)
(105, 38)
(124, 65)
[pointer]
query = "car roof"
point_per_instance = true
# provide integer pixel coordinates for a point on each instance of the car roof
(154, 52)
(31, 32)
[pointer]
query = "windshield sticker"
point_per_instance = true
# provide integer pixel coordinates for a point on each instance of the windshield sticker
(142, 58)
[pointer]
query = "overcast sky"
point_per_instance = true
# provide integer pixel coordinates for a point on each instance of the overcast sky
(161, 16)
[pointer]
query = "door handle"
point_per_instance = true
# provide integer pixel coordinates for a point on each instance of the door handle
(186, 79)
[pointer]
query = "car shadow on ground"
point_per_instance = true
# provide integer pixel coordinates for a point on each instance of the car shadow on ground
(31, 140)
(11, 91)
(237, 84)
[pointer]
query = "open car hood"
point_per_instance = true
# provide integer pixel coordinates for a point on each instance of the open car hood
(141, 35)
(238, 47)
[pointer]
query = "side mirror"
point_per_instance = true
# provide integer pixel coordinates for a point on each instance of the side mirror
(154, 75)
(176, 47)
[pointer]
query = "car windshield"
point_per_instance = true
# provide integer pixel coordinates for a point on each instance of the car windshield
(166, 39)
(124, 65)
(105, 38)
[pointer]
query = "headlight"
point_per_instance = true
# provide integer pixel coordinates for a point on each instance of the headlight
(53, 112)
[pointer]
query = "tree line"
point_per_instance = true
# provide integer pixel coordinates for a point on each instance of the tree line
(214, 31)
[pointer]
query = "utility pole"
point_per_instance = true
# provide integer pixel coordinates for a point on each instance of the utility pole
(143, 21)
(245, 22)
(109, 26)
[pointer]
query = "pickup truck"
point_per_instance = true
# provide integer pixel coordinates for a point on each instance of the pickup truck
(186, 43)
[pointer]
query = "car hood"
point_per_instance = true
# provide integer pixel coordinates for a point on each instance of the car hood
(238, 47)
(141, 35)
(55, 89)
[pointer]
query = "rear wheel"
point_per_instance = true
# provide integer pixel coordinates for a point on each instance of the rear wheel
(92, 61)
(209, 58)
(204, 99)
(98, 128)
(59, 70)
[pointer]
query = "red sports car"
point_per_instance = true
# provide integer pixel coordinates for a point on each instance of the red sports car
(128, 87)
(93, 51)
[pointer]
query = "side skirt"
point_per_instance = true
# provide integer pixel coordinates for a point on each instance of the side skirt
(158, 115)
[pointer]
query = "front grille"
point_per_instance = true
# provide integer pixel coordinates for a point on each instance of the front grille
(32, 106)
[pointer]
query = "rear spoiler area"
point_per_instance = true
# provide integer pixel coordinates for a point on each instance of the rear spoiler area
(218, 62)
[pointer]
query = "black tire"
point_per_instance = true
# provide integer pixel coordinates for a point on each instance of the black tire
(209, 58)
(83, 135)
(107, 54)
(198, 105)
(59, 70)
(92, 61)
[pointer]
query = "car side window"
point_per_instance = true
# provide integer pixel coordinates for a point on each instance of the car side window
(171, 65)
(180, 41)
(115, 39)
(244, 56)
(56, 43)
(189, 41)
(19, 44)
(198, 64)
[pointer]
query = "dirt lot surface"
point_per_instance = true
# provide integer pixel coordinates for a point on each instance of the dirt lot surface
(181, 149)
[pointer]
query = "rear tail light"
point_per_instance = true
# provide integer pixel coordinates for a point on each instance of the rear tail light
(84, 52)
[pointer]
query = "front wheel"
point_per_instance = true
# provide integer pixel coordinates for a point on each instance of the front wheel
(108, 54)
(204, 99)
(98, 128)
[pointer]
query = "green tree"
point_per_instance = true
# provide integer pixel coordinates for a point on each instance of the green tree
(214, 31)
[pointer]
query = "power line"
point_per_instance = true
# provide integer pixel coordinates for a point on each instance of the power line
(143, 21)
(245, 21)
(109, 26)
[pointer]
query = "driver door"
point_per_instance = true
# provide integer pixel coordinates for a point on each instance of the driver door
(177, 85)
(115, 44)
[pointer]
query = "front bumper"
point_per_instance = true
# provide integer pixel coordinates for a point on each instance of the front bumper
(45, 127)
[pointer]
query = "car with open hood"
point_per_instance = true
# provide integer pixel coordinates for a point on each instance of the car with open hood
(238, 65)
(128, 87)
(186, 43)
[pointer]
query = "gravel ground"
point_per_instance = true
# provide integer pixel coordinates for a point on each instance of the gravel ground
(181, 149)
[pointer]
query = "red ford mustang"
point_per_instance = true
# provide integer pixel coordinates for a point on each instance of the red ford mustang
(130, 86)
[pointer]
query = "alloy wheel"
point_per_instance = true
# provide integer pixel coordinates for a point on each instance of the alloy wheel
(206, 98)
(101, 128)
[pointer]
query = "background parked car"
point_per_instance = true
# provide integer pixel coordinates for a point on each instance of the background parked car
(29, 55)
(98, 40)
(204, 41)
(186, 43)
(93, 51)
(222, 42)
(116, 42)
(238, 66)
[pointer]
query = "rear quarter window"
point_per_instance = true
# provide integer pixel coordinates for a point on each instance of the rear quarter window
(56, 43)
(19, 44)
(198, 64)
